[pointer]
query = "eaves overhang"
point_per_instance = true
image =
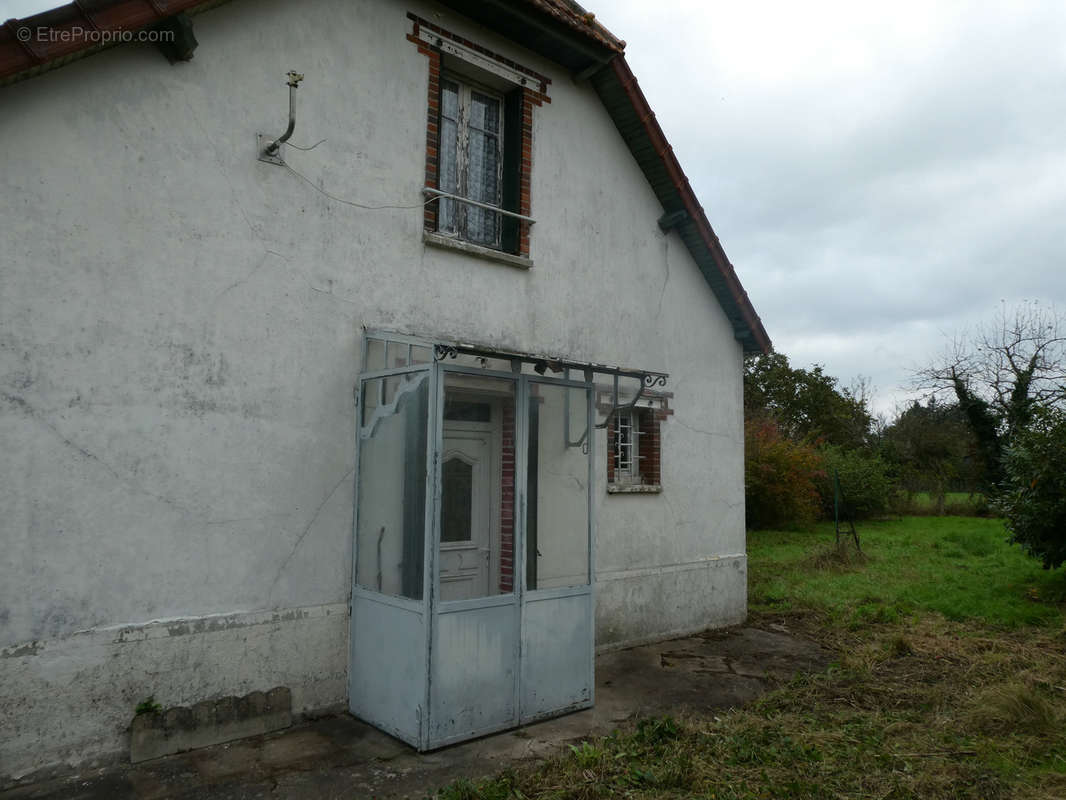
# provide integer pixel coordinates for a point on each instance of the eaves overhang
(43, 42)
(636, 122)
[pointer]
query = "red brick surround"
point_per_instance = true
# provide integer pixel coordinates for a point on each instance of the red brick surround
(649, 447)
(530, 97)
(507, 498)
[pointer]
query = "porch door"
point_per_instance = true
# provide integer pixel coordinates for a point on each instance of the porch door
(557, 605)
(474, 644)
(512, 632)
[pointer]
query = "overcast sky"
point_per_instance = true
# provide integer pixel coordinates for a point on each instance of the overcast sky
(879, 174)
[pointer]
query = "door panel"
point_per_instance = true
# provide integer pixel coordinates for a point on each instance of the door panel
(468, 487)
(556, 656)
(474, 676)
(387, 676)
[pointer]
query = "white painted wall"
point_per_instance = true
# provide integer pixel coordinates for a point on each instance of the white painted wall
(179, 341)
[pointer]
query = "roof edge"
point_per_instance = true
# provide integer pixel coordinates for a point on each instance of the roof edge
(619, 67)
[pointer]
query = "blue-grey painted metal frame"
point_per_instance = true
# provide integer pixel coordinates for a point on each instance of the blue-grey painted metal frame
(445, 729)
(528, 712)
(389, 636)
(377, 618)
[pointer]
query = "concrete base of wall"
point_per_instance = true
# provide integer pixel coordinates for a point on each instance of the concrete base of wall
(181, 728)
(67, 703)
(632, 605)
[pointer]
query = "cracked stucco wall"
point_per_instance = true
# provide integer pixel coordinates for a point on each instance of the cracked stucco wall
(179, 340)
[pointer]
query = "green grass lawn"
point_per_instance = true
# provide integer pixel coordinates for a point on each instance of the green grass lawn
(955, 503)
(927, 500)
(958, 566)
(949, 681)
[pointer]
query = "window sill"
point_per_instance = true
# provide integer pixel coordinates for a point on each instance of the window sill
(636, 488)
(476, 250)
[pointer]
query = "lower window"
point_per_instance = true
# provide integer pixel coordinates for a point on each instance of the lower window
(633, 450)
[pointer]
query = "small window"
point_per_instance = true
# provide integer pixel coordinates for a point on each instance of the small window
(633, 451)
(626, 452)
(457, 487)
(458, 410)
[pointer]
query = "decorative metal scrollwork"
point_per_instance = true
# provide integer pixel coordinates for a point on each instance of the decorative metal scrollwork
(443, 351)
(654, 380)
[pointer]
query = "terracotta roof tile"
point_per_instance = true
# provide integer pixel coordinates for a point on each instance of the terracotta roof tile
(576, 17)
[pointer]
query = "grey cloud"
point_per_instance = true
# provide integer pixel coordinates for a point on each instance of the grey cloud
(870, 211)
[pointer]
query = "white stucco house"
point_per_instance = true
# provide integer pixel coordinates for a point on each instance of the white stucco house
(406, 405)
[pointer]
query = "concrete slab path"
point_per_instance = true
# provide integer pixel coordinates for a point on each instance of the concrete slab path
(340, 757)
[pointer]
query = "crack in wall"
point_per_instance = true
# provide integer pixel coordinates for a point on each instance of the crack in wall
(34, 414)
(694, 429)
(331, 294)
(37, 416)
(262, 263)
(666, 280)
(307, 529)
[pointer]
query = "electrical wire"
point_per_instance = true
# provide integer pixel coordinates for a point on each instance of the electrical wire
(352, 203)
(305, 149)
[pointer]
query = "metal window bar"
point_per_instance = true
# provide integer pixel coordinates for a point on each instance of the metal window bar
(626, 453)
(437, 194)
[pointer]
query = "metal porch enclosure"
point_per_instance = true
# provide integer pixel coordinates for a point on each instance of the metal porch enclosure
(472, 600)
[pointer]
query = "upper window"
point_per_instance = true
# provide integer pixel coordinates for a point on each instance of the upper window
(479, 145)
(471, 161)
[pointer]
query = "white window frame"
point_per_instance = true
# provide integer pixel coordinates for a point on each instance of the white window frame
(462, 142)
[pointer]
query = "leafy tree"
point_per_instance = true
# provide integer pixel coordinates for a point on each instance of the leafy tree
(932, 448)
(1034, 496)
(781, 477)
(806, 404)
(1001, 375)
(864, 482)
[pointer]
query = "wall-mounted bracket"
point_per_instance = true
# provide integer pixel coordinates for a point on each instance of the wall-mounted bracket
(270, 149)
(262, 142)
(671, 219)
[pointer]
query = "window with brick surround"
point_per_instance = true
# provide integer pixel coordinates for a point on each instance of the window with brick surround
(479, 140)
(633, 449)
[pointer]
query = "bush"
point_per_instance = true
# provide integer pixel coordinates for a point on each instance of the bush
(864, 482)
(1034, 489)
(780, 478)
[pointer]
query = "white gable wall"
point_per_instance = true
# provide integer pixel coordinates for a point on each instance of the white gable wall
(179, 340)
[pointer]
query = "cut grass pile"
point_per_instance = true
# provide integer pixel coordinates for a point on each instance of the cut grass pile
(920, 703)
